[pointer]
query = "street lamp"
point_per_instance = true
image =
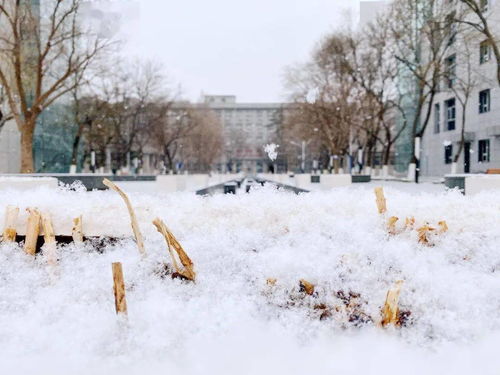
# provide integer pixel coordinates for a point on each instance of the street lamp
(302, 145)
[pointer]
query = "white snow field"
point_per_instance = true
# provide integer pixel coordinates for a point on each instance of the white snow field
(229, 321)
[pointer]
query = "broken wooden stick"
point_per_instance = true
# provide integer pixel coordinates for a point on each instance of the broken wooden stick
(9, 230)
(77, 231)
(50, 245)
(133, 219)
(32, 231)
(390, 311)
(381, 203)
(306, 286)
(391, 225)
(409, 222)
(443, 227)
(423, 234)
(271, 281)
(119, 289)
(188, 271)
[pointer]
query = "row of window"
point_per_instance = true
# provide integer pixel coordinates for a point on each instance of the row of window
(483, 152)
(451, 112)
(450, 63)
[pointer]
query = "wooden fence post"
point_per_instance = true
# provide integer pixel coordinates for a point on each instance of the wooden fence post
(119, 288)
(32, 231)
(9, 231)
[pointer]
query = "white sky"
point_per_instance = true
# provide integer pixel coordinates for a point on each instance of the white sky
(238, 47)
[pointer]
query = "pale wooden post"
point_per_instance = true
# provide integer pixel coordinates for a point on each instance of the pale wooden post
(381, 204)
(32, 231)
(77, 230)
(390, 311)
(119, 288)
(9, 231)
(49, 247)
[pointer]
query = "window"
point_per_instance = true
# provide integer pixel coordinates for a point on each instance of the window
(448, 154)
(450, 70)
(484, 52)
(483, 5)
(484, 150)
(437, 117)
(450, 114)
(484, 101)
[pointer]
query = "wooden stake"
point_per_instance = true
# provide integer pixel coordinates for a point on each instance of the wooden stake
(32, 231)
(49, 246)
(188, 271)
(133, 219)
(77, 231)
(119, 288)
(390, 311)
(9, 231)
(381, 204)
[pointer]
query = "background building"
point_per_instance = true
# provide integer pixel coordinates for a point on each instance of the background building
(248, 127)
(469, 70)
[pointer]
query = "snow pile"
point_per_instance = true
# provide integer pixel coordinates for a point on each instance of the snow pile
(230, 321)
(272, 151)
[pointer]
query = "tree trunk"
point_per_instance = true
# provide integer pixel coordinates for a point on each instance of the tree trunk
(387, 154)
(27, 165)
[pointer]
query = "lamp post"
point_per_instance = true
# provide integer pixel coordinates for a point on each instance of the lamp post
(302, 146)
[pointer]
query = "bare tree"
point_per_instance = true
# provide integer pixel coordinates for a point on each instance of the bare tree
(323, 108)
(205, 143)
(423, 31)
(41, 50)
(480, 21)
(368, 61)
(173, 129)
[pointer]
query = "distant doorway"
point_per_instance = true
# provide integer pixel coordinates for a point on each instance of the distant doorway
(467, 157)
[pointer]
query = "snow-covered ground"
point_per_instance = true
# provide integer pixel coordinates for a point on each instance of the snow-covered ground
(230, 321)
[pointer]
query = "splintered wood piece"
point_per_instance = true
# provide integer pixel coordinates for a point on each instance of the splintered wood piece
(49, 246)
(133, 219)
(409, 222)
(390, 311)
(119, 288)
(381, 204)
(32, 231)
(9, 230)
(271, 281)
(423, 233)
(306, 286)
(443, 227)
(391, 224)
(77, 231)
(188, 271)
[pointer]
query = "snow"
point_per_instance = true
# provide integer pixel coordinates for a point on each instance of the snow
(230, 321)
(271, 150)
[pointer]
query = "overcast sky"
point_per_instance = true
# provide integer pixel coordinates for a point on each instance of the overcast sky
(238, 47)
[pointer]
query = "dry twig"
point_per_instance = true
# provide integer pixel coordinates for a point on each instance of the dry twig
(133, 219)
(188, 271)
